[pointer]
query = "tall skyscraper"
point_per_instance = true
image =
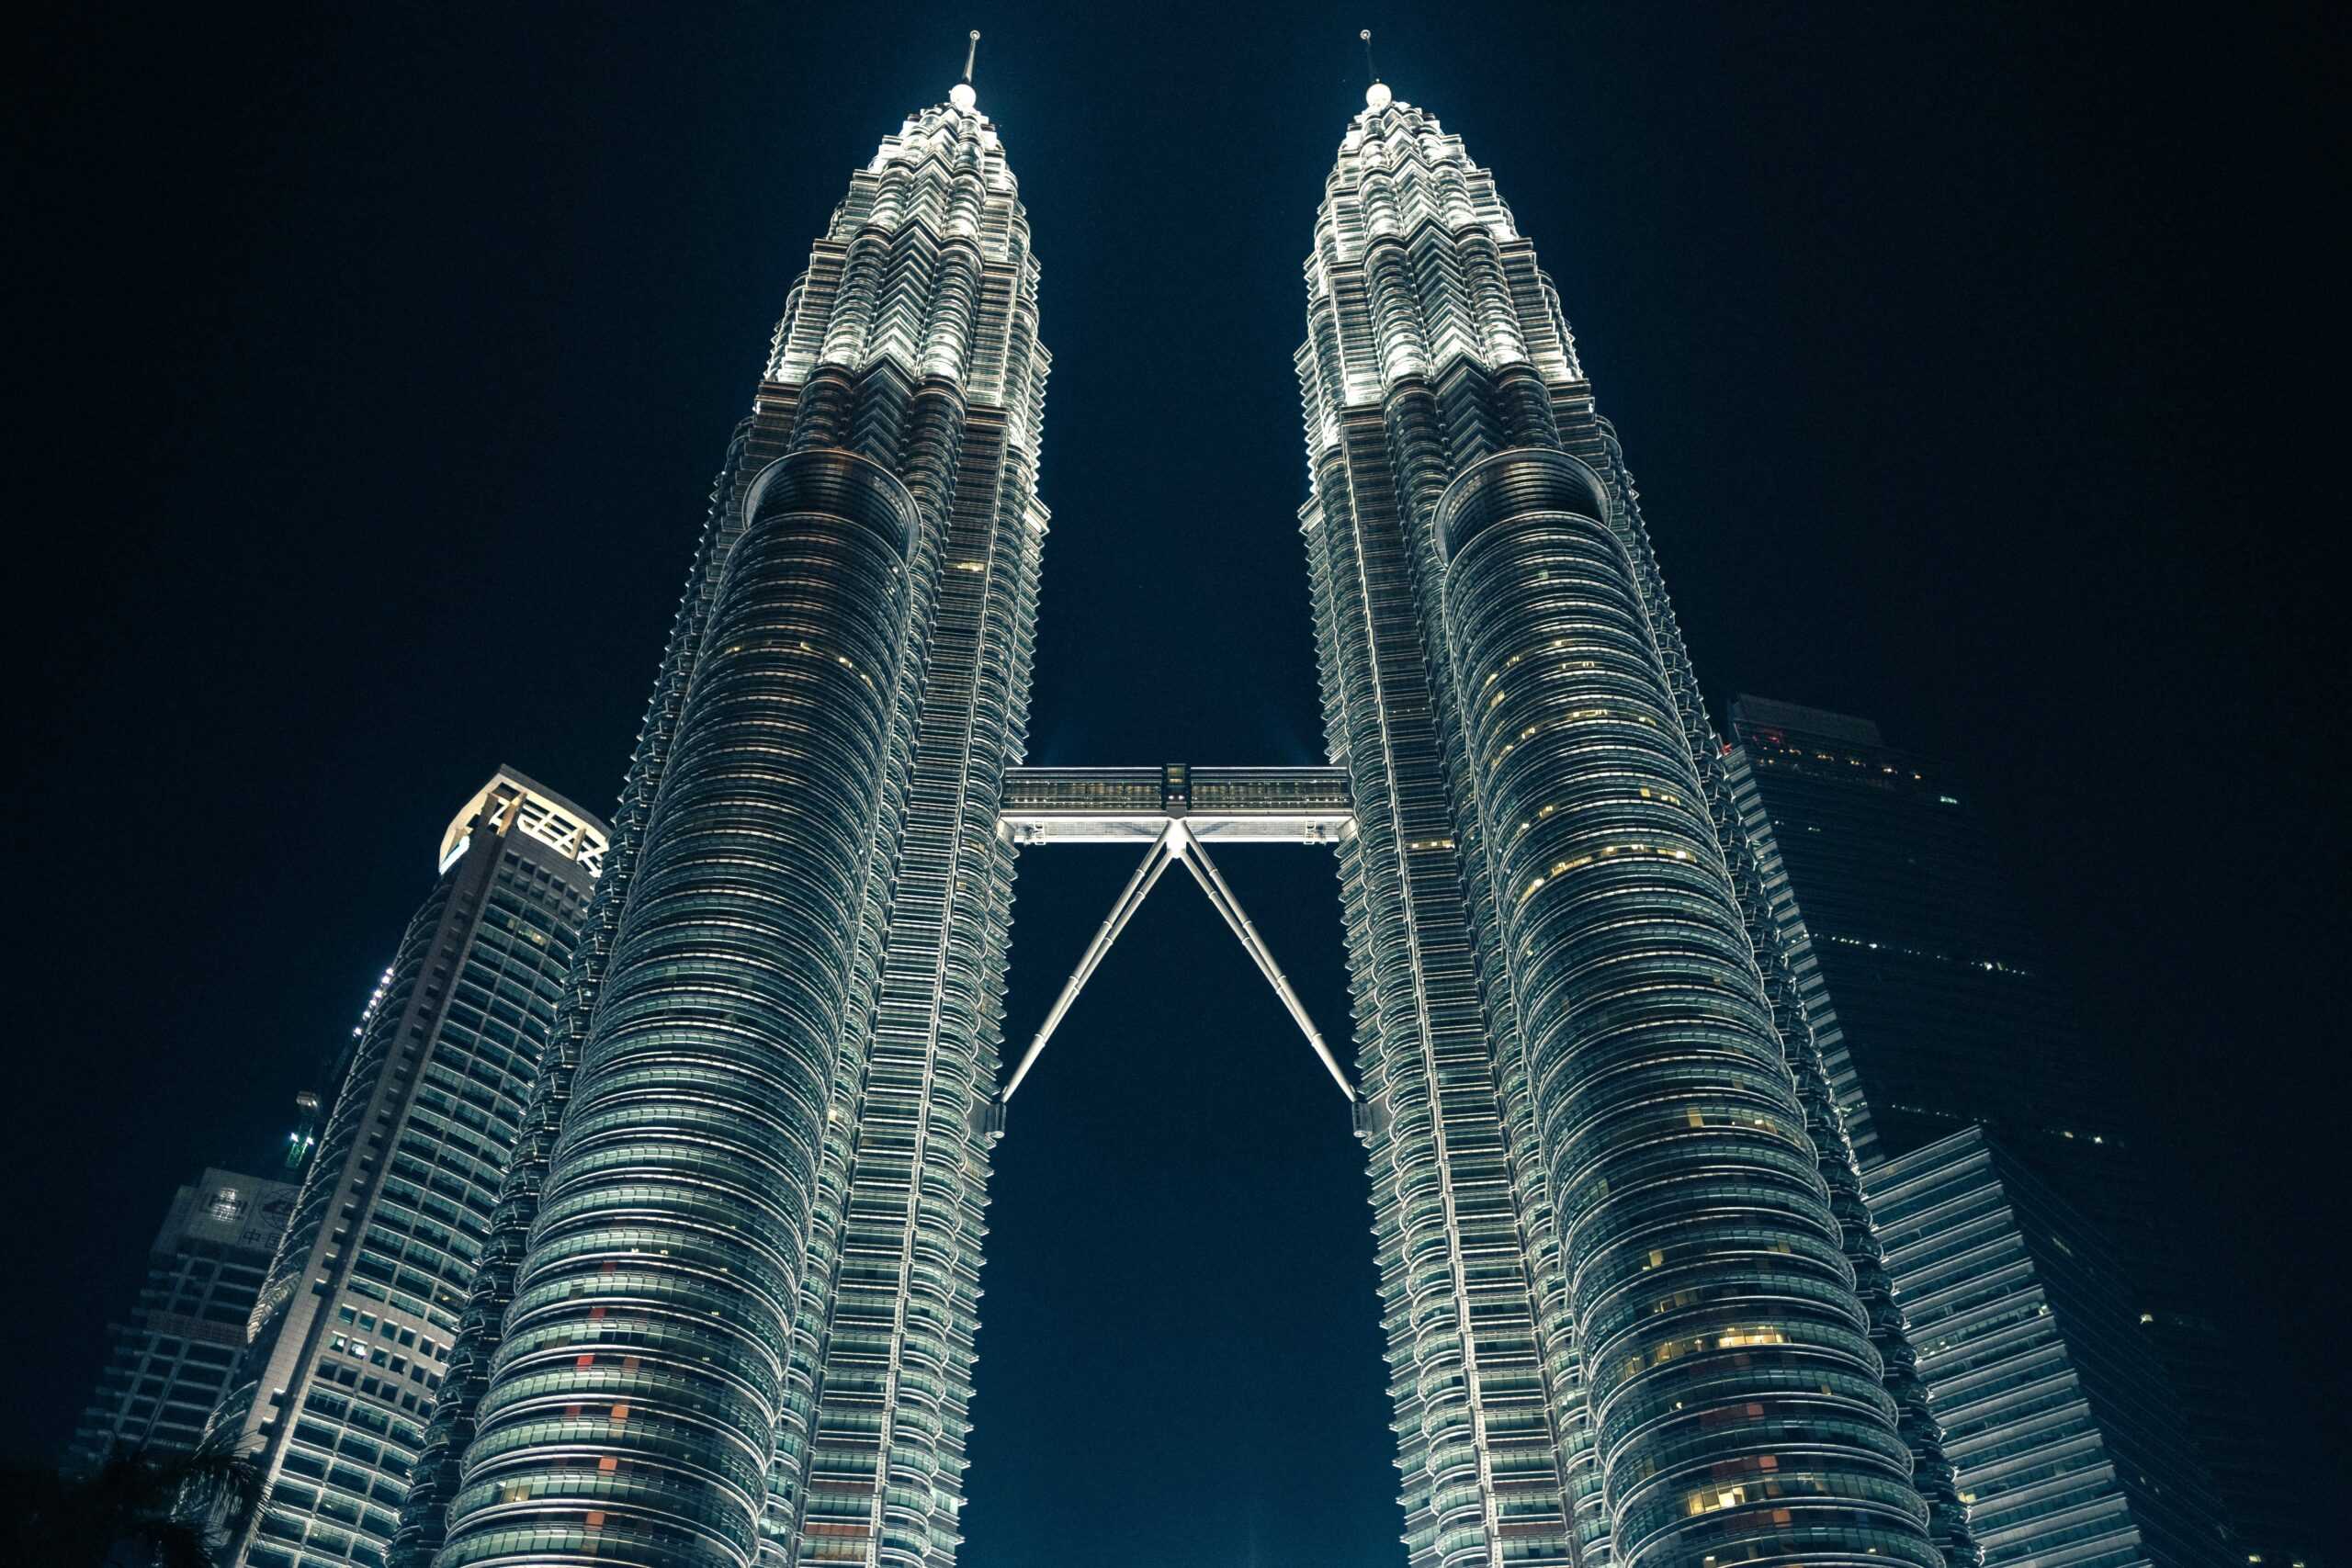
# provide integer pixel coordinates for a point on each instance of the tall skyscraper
(169, 1363)
(1635, 1309)
(1939, 1008)
(1630, 1288)
(350, 1338)
(730, 1309)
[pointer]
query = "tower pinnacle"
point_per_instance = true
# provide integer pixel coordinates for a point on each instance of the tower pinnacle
(962, 94)
(1377, 95)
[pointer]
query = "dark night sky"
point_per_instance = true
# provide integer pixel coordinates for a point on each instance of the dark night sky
(373, 367)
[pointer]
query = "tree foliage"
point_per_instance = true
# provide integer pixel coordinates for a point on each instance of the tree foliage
(141, 1508)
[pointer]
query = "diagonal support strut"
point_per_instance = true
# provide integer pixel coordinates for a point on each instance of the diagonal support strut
(1130, 899)
(1177, 842)
(1195, 856)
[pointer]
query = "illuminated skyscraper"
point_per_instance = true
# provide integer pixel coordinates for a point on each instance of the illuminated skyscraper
(1635, 1312)
(727, 1310)
(348, 1339)
(726, 1314)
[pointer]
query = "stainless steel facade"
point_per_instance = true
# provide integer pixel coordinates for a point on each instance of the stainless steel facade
(1629, 1285)
(728, 1315)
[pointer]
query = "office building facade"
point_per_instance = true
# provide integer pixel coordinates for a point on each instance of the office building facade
(349, 1341)
(2070, 1448)
(1938, 1010)
(173, 1358)
(1945, 1008)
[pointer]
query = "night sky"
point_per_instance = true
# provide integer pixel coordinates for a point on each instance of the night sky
(1979, 367)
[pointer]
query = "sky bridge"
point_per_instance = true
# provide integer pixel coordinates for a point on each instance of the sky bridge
(1114, 805)
(1176, 811)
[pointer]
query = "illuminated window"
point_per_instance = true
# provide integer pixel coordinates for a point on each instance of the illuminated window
(1731, 1338)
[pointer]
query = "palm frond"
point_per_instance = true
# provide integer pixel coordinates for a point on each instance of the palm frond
(177, 1543)
(220, 1479)
(155, 1509)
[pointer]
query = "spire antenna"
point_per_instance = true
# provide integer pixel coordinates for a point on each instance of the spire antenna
(1377, 95)
(962, 94)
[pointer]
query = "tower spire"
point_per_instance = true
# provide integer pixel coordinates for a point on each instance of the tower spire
(1377, 94)
(962, 94)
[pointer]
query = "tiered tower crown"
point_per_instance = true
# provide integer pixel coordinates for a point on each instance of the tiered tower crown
(880, 286)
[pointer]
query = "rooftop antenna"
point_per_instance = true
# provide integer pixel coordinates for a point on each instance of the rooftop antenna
(961, 95)
(1375, 96)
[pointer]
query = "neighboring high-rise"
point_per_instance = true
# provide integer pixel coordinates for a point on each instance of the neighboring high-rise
(1937, 1009)
(727, 1310)
(1945, 1008)
(170, 1361)
(350, 1338)
(1634, 1309)
(2071, 1448)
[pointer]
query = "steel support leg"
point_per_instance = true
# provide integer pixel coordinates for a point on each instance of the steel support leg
(1130, 899)
(1196, 860)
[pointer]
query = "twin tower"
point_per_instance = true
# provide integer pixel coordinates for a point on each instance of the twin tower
(1634, 1310)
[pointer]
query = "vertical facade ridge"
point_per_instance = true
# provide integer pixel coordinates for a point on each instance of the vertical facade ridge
(1468, 1289)
(424, 1517)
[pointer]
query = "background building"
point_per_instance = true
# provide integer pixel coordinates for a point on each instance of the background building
(1936, 1009)
(354, 1328)
(168, 1364)
(1946, 1010)
(2070, 1451)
